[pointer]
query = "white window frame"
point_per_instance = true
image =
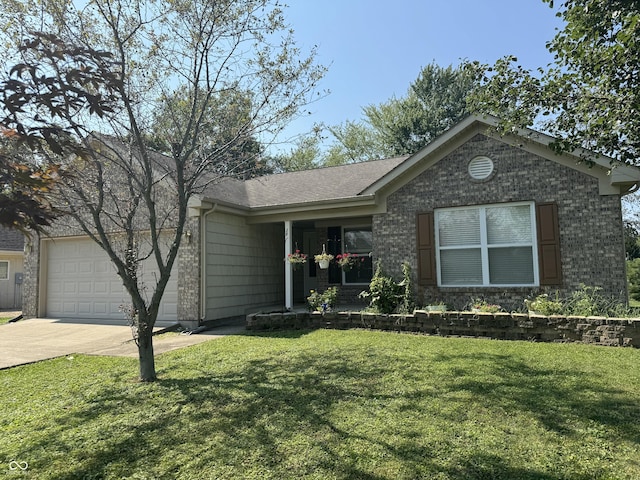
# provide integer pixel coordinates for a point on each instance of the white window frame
(7, 276)
(484, 246)
(342, 250)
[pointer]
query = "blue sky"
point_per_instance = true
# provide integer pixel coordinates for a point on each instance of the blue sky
(374, 49)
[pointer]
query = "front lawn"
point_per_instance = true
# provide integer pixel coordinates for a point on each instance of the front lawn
(330, 405)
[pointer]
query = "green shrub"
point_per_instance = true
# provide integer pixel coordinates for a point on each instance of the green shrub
(407, 301)
(384, 293)
(321, 302)
(584, 302)
(543, 305)
(633, 278)
(588, 302)
(483, 306)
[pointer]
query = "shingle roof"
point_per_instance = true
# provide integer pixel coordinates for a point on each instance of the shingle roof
(283, 189)
(11, 240)
(292, 188)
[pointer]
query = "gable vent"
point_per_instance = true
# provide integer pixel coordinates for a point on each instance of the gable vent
(480, 168)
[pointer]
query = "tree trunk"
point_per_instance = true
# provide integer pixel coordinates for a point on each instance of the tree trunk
(145, 355)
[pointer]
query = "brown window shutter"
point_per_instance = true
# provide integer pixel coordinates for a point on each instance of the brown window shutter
(548, 244)
(426, 250)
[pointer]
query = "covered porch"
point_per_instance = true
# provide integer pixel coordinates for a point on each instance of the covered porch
(336, 237)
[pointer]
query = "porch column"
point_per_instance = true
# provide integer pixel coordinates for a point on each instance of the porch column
(288, 268)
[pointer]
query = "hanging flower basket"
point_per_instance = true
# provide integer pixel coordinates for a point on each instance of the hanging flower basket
(346, 261)
(323, 259)
(297, 259)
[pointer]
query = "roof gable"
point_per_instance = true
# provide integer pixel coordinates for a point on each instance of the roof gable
(614, 177)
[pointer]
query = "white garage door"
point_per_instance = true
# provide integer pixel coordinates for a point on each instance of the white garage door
(82, 283)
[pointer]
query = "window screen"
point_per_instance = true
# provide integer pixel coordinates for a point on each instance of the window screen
(490, 245)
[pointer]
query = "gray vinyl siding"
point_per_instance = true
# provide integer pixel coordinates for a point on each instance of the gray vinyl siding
(244, 266)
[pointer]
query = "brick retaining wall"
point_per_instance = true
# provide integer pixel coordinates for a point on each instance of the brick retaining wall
(506, 326)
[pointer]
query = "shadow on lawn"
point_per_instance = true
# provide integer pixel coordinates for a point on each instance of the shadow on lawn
(558, 399)
(274, 417)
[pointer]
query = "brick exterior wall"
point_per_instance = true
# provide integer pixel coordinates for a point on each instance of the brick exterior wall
(592, 247)
(189, 273)
(31, 281)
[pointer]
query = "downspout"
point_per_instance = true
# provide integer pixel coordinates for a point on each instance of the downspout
(203, 262)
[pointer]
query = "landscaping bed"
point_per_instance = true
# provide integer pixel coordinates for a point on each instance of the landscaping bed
(498, 325)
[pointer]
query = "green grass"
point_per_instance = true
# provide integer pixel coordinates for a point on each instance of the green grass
(4, 320)
(330, 405)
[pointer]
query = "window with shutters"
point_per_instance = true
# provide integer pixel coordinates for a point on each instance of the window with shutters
(487, 245)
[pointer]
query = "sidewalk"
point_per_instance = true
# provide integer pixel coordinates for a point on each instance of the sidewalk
(28, 341)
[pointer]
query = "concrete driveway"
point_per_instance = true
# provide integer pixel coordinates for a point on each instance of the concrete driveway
(28, 341)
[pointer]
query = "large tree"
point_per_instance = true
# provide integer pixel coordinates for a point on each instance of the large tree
(303, 156)
(589, 96)
(434, 102)
(226, 131)
(355, 142)
(112, 65)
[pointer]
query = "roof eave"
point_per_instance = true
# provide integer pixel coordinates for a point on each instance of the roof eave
(285, 209)
(342, 208)
(313, 204)
(615, 176)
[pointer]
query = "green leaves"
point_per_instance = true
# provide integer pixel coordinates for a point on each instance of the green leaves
(24, 187)
(54, 83)
(434, 102)
(591, 93)
(205, 82)
(384, 293)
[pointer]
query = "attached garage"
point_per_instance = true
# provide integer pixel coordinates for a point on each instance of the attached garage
(81, 282)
